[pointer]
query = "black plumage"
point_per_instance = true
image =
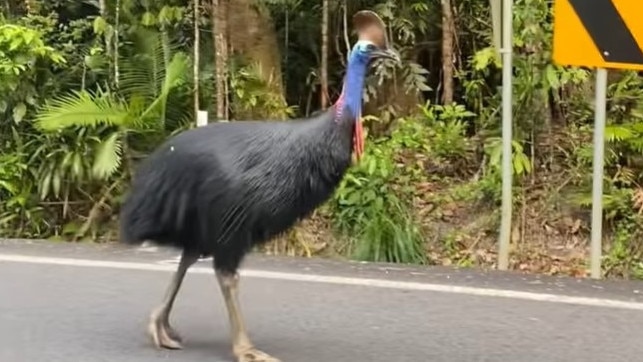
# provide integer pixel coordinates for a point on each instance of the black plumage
(219, 190)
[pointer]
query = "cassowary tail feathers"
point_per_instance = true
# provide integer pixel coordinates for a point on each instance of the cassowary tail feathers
(156, 208)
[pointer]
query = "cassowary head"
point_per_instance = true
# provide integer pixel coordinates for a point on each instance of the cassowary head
(372, 44)
(372, 40)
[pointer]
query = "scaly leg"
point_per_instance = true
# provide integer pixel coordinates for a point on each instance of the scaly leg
(242, 348)
(159, 328)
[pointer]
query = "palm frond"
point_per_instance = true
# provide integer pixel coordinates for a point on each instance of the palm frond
(175, 75)
(176, 72)
(178, 109)
(108, 157)
(81, 108)
(144, 72)
(138, 79)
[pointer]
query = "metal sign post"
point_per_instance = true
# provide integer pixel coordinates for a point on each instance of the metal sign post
(601, 34)
(597, 187)
(507, 120)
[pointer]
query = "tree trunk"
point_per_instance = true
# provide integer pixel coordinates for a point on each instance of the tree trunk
(448, 32)
(31, 7)
(102, 8)
(324, 56)
(117, 26)
(196, 57)
(253, 37)
(219, 15)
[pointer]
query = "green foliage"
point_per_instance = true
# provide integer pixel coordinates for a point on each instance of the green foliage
(370, 207)
(408, 24)
(624, 255)
(86, 92)
(255, 97)
(23, 57)
(79, 138)
(133, 111)
(374, 202)
(19, 216)
(447, 127)
(624, 153)
(520, 161)
(21, 51)
(83, 109)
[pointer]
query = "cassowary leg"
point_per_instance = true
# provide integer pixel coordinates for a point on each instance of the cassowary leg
(159, 328)
(242, 348)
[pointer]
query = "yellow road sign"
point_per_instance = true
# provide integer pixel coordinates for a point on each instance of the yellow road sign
(599, 33)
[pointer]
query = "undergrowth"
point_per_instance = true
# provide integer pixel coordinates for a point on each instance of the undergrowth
(78, 110)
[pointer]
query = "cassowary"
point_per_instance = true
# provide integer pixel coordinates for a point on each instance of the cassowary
(219, 190)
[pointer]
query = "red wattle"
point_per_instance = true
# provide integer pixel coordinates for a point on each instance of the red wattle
(358, 139)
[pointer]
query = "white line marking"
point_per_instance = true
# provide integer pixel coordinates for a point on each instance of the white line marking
(327, 279)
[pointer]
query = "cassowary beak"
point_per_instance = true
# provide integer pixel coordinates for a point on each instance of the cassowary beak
(386, 53)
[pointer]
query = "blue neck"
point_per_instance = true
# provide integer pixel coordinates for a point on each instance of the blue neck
(354, 83)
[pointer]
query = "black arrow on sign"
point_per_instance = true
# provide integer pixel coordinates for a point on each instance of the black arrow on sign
(608, 31)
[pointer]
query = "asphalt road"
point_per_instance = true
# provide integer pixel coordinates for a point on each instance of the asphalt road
(64, 302)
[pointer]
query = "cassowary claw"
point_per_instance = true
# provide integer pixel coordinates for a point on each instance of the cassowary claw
(163, 335)
(255, 355)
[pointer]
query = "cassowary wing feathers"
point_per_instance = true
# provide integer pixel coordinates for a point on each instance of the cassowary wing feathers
(220, 189)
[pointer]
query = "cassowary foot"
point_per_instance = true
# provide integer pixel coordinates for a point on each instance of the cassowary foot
(163, 335)
(254, 355)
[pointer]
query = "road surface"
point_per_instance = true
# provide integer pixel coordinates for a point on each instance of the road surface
(69, 302)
